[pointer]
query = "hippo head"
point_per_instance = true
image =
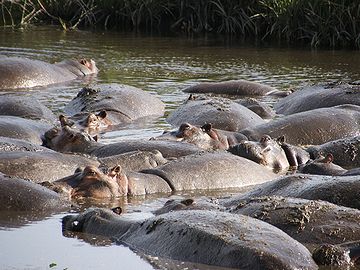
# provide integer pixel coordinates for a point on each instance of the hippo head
(323, 165)
(204, 137)
(66, 139)
(266, 152)
(91, 182)
(91, 122)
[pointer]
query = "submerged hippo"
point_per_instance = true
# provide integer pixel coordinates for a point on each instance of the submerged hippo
(25, 196)
(236, 87)
(16, 72)
(67, 139)
(94, 183)
(122, 103)
(220, 112)
(314, 97)
(266, 152)
(10, 145)
(207, 237)
(323, 165)
(196, 172)
(310, 222)
(345, 151)
(89, 122)
(340, 190)
(20, 128)
(205, 137)
(311, 127)
(25, 107)
(41, 165)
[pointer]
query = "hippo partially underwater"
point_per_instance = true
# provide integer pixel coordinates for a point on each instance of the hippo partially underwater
(16, 72)
(200, 236)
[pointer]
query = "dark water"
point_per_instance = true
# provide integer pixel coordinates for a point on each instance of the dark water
(162, 66)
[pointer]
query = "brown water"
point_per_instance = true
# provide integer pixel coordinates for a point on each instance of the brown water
(162, 66)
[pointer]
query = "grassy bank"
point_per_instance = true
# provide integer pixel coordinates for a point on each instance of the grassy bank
(319, 23)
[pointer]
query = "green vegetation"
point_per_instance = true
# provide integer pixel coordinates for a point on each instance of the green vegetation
(322, 23)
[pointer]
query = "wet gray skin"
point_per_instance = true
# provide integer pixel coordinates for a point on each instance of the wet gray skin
(261, 109)
(201, 236)
(266, 152)
(25, 107)
(322, 165)
(204, 137)
(345, 151)
(41, 166)
(235, 87)
(216, 170)
(19, 72)
(122, 103)
(92, 182)
(311, 222)
(222, 113)
(339, 190)
(134, 160)
(25, 196)
(11, 145)
(313, 97)
(295, 155)
(67, 139)
(20, 128)
(196, 172)
(311, 127)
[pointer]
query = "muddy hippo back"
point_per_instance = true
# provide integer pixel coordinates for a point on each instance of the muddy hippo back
(312, 127)
(125, 103)
(23, 73)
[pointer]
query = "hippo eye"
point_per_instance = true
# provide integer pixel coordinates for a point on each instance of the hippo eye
(91, 173)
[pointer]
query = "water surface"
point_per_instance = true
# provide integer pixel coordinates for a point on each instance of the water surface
(162, 66)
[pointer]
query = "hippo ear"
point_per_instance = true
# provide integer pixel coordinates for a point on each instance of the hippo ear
(117, 210)
(79, 170)
(329, 158)
(102, 114)
(207, 127)
(115, 170)
(95, 138)
(187, 202)
(281, 139)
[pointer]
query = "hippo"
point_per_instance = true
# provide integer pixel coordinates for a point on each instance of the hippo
(220, 112)
(16, 72)
(236, 87)
(323, 166)
(339, 190)
(345, 151)
(67, 139)
(261, 109)
(25, 107)
(314, 97)
(200, 236)
(267, 152)
(296, 155)
(91, 182)
(135, 160)
(205, 137)
(310, 222)
(10, 144)
(311, 127)
(19, 195)
(219, 170)
(42, 165)
(92, 123)
(122, 103)
(20, 128)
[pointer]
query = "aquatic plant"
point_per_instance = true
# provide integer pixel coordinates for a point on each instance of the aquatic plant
(329, 23)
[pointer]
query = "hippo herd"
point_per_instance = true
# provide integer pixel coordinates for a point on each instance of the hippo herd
(299, 159)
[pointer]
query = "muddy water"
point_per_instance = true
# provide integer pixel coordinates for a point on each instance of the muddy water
(162, 66)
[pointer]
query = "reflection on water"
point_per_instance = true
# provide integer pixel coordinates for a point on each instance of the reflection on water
(162, 66)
